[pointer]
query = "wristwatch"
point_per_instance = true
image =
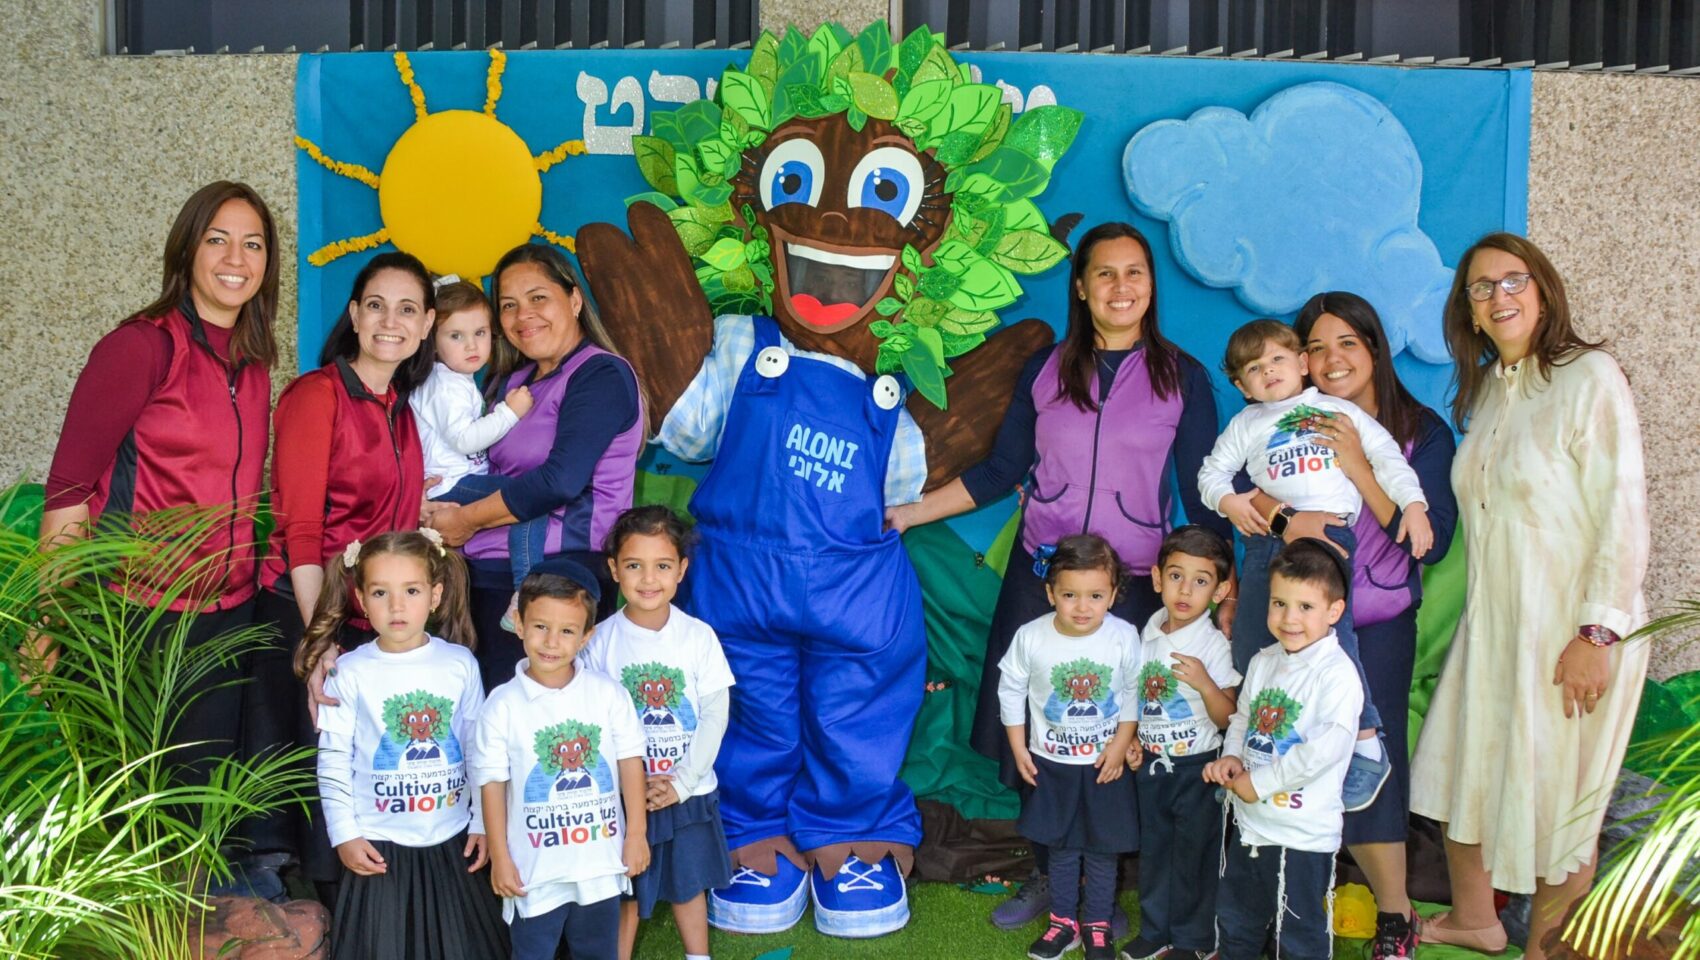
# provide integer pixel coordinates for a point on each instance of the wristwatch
(1278, 521)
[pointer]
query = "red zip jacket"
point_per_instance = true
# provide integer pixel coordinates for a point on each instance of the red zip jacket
(348, 466)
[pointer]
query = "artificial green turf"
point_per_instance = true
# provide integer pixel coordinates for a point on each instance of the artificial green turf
(947, 922)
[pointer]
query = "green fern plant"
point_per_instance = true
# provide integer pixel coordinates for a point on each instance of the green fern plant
(1647, 882)
(103, 851)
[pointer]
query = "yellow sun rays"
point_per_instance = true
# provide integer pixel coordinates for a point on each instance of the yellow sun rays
(457, 189)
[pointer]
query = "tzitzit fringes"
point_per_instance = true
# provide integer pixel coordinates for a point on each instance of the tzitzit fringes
(1328, 901)
(559, 240)
(1221, 870)
(493, 81)
(547, 159)
(405, 70)
(352, 171)
(341, 248)
(1280, 900)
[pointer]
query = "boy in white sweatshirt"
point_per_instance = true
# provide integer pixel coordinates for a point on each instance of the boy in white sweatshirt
(1284, 761)
(1286, 439)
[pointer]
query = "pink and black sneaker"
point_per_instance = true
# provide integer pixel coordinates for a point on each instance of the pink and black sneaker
(1100, 942)
(1059, 938)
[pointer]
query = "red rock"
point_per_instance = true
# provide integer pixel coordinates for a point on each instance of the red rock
(265, 931)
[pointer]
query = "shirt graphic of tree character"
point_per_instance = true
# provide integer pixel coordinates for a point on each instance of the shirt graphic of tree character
(1160, 694)
(1272, 734)
(1080, 690)
(417, 732)
(567, 761)
(658, 692)
(1295, 423)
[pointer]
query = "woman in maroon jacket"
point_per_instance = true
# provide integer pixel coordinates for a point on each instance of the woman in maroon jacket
(170, 412)
(347, 466)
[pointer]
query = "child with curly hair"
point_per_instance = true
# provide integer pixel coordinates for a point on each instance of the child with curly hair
(1072, 674)
(392, 757)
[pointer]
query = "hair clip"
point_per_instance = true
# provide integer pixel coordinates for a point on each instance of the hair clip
(1042, 559)
(351, 555)
(436, 538)
(445, 280)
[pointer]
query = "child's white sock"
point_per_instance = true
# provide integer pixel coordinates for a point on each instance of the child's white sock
(696, 956)
(1369, 748)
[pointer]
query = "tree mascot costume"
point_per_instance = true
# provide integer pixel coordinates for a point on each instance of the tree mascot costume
(828, 239)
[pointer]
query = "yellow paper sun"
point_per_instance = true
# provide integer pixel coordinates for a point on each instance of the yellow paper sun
(459, 188)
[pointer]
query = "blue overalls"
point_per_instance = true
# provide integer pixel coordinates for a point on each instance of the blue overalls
(816, 604)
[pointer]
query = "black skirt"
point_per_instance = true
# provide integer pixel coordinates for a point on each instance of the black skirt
(426, 907)
(687, 854)
(1071, 810)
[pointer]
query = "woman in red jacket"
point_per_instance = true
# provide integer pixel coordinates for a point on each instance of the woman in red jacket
(347, 466)
(170, 412)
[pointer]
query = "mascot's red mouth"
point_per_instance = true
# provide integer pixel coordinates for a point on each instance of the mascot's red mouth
(826, 288)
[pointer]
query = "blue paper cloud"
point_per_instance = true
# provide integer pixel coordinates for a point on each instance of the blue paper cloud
(1317, 190)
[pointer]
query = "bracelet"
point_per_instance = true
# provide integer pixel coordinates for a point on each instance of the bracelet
(1597, 635)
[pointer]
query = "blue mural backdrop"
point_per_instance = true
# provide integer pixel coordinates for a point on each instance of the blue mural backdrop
(1258, 182)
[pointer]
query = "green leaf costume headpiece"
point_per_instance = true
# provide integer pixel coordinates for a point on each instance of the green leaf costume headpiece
(995, 167)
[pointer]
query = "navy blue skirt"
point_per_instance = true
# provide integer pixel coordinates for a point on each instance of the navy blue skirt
(687, 854)
(1071, 810)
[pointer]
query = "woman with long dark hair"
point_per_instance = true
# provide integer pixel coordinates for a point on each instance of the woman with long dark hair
(1350, 359)
(1529, 724)
(573, 457)
(1093, 427)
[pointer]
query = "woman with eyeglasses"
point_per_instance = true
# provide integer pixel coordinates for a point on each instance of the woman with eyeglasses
(1529, 724)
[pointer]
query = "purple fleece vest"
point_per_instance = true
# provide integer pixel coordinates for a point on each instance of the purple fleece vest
(582, 522)
(1103, 471)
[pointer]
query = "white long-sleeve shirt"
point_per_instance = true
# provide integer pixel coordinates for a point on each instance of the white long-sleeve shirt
(677, 677)
(1173, 719)
(392, 762)
(454, 431)
(1294, 729)
(559, 752)
(1276, 445)
(1077, 688)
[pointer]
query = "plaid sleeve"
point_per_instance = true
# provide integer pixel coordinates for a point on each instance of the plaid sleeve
(906, 468)
(692, 428)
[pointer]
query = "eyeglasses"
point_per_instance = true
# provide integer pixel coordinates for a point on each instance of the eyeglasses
(1511, 283)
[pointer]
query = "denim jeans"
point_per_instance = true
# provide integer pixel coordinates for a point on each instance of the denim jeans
(526, 539)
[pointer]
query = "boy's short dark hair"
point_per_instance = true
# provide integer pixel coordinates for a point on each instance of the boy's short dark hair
(1311, 561)
(1246, 344)
(537, 586)
(1086, 551)
(1201, 542)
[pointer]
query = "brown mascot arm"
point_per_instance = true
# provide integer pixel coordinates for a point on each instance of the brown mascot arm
(647, 293)
(980, 391)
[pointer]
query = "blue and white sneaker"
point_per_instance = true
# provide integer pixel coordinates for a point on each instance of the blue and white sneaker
(864, 900)
(755, 902)
(1364, 779)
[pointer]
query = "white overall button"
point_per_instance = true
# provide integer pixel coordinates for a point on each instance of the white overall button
(772, 362)
(887, 393)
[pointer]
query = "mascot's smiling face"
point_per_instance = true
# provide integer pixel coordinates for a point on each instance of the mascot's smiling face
(656, 691)
(840, 204)
(1081, 687)
(570, 754)
(421, 723)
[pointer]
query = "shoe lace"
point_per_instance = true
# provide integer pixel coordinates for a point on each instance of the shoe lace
(1099, 934)
(859, 879)
(752, 877)
(1059, 927)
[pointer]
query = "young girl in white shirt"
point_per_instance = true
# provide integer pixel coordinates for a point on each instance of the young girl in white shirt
(454, 430)
(672, 666)
(1067, 702)
(393, 778)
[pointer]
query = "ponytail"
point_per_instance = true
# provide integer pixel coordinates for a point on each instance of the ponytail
(452, 619)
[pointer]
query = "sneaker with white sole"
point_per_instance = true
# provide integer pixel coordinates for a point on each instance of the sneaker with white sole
(1059, 938)
(862, 900)
(1364, 780)
(755, 902)
(1100, 944)
(1140, 948)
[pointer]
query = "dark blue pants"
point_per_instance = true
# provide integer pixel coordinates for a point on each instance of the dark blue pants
(1389, 652)
(591, 931)
(527, 539)
(1251, 618)
(1250, 902)
(1076, 871)
(1180, 846)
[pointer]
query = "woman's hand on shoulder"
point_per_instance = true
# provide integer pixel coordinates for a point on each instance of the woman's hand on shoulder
(316, 696)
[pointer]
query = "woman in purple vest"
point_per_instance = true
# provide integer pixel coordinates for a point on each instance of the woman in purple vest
(1102, 423)
(573, 457)
(1349, 359)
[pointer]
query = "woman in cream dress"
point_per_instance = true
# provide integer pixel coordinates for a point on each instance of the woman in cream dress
(1528, 726)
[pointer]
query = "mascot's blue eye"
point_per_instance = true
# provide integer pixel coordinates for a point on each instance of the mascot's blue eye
(886, 189)
(792, 173)
(889, 180)
(792, 183)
